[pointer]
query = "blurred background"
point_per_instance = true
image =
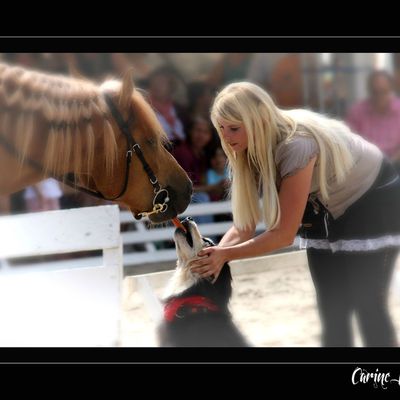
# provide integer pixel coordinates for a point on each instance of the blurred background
(181, 88)
(275, 306)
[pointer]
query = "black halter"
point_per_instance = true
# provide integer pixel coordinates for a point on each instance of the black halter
(161, 196)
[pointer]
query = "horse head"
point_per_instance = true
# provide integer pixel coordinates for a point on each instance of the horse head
(167, 184)
(105, 140)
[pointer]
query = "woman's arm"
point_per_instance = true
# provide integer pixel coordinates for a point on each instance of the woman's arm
(235, 236)
(293, 196)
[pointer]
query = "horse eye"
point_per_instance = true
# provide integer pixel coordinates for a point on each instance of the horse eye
(151, 142)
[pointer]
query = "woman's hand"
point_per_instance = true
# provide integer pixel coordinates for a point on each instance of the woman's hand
(212, 263)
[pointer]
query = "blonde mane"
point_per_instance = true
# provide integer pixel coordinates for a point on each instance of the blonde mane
(66, 116)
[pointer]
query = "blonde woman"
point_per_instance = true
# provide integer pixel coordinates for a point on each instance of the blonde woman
(312, 171)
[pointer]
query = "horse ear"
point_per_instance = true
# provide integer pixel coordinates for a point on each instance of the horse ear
(125, 95)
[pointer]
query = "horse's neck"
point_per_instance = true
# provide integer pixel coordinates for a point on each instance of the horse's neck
(13, 175)
(44, 134)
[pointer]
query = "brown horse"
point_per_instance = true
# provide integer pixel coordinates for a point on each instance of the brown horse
(104, 139)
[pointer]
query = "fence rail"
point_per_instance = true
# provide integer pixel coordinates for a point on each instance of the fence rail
(61, 304)
(143, 235)
(141, 243)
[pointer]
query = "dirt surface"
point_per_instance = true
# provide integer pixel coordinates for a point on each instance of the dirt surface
(273, 308)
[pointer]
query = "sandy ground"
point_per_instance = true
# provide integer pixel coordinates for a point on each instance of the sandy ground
(273, 305)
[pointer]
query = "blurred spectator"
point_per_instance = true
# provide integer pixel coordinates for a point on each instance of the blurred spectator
(29, 60)
(377, 118)
(200, 97)
(94, 66)
(59, 63)
(43, 196)
(217, 174)
(192, 155)
(280, 74)
(161, 86)
(231, 67)
(73, 198)
(142, 65)
(261, 67)
(218, 177)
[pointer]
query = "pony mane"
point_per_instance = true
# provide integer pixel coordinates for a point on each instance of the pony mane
(68, 115)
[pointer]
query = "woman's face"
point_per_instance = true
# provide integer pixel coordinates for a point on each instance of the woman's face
(235, 135)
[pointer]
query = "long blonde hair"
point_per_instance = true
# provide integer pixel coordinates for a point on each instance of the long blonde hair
(266, 125)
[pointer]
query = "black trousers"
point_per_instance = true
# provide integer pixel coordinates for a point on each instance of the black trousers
(354, 282)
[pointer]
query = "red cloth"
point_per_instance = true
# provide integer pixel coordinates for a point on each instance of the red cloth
(172, 307)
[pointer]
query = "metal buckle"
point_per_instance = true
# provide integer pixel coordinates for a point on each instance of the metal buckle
(133, 147)
(166, 200)
(158, 208)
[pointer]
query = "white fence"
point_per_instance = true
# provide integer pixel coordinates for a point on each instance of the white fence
(45, 304)
(78, 302)
(141, 243)
(139, 234)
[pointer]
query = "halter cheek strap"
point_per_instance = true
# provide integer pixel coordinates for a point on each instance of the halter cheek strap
(161, 196)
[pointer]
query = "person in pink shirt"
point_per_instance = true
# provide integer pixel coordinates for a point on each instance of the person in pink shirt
(377, 118)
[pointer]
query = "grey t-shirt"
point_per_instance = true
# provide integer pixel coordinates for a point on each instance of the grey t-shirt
(295, 154)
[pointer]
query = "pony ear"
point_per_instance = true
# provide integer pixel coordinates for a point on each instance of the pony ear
(126, 92)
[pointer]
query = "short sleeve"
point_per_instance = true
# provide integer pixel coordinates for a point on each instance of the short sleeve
(295, 154)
